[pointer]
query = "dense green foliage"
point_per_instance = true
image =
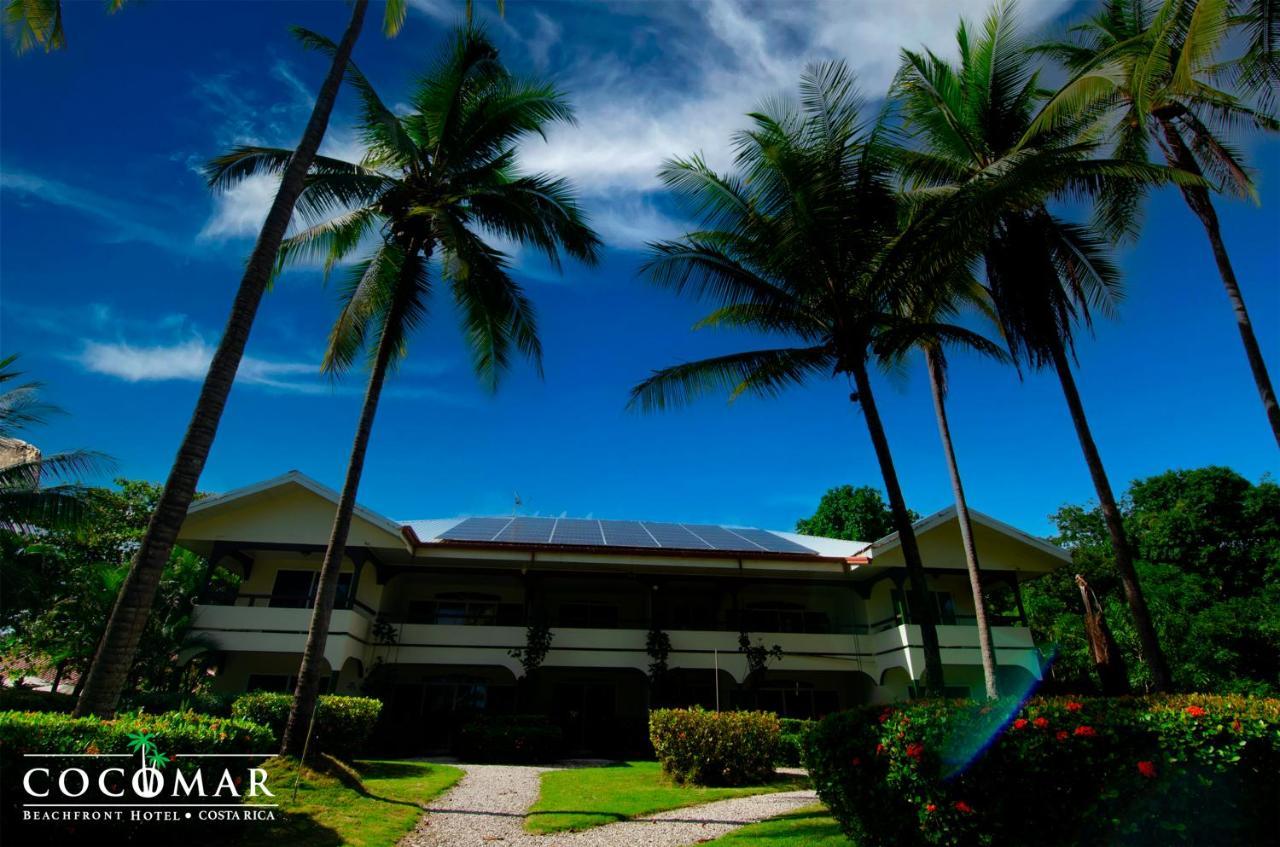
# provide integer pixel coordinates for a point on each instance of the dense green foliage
(715, 748)
(509, 738)
(60, 583)
(174, 732)
(791, 741)
(580, 798)
(854, 514)
(1207, 547)
(1055, 771)
(342, 724)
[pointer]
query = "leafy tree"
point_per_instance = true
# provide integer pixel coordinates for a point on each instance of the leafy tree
(854, 514)
(434, 182)
(1046, 275)
(1207, 547)
(128, 619)
(60, 584)
(1155, 69)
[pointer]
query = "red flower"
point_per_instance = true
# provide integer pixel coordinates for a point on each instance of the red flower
(962, 806)
(1074, 706)
(1147, 769)
(915, 751)
(855, 761)
(1020, 723)
(1196, 711)
(1085, 731)
(1235, 725)
(884, 716)
(879, 749)
(932, 807)
(1062, 735)
(1041, 723)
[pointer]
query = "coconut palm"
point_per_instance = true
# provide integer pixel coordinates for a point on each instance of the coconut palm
(434, 184)
(936, 304)
(110, 667)
(26, 498)
(1046, 276)
(1154, 68)
(803, 242)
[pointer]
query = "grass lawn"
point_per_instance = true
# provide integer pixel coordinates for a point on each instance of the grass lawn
(585, 797)
(367, 804)
(811, 826)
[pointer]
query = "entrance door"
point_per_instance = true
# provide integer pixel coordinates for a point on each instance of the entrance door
(587, 713)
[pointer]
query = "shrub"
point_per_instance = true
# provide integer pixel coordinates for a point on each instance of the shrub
(791, 741)
(181, 732)
(1194, 769)
(509, 738)
(205, 702)
(715, 748)
(343, 724)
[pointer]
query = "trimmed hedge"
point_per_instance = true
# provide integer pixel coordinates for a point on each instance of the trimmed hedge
(715, 748)
(791, 742)
(207, 703)
(509, 739)
(183, 732)
(343, 724)
(1187, 769)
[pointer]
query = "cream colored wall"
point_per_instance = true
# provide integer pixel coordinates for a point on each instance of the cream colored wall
(940, 547)
(262, 578)
(287, 515)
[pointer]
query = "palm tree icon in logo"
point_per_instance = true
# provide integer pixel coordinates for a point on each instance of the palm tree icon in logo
(148, 782)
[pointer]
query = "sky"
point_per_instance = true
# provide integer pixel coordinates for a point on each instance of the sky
(117, 268)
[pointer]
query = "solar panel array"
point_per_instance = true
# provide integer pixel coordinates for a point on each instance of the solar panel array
(578, 532)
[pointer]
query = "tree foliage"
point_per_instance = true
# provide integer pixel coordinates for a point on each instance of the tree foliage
(854, 514)
(1207, 547)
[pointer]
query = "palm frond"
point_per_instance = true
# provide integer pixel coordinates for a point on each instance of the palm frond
(762, 372)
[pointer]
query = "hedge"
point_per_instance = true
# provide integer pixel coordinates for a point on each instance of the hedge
(343, 724)
(182, 732)
(715, 748)
(791, 742)
(509, 739)
(1186, 769)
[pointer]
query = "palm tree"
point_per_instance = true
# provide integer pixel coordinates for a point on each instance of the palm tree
(38, 23)
(110, 667)
(25, 498)
(803, 241)
(433, 183)
(936, 304)
(1153, 68)
(1045, 275)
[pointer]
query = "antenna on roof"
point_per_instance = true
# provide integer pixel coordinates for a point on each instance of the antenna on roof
(516, 504)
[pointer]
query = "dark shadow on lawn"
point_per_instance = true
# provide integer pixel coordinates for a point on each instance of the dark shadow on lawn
(352, 778)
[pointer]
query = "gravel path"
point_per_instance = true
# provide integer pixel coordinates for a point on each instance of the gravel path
(487, 807)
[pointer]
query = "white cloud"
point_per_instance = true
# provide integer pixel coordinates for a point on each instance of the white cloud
(545, 36)
(189, 361)
(630, 222)
(241, 209)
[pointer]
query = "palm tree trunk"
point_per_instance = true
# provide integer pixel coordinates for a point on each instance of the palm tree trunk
(308, 688)
(1152, 654)
(985, 646)
(920, 597)
(1202, 206)
(119, 643)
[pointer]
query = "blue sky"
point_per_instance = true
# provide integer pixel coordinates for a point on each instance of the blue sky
(117, 267)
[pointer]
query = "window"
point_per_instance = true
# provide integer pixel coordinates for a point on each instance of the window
(296, 589)
(463, 608)
(943, 602)
(589, 615)
(775, 616)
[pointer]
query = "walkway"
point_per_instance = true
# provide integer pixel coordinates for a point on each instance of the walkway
(487, 808)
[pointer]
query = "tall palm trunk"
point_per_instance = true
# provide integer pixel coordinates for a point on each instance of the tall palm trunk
(308, 688)
(119, 643)
(1152, 654)
(921, 601)
(985, 646)
(1202, 206)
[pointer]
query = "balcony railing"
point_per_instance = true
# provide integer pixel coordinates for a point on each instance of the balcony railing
(280, 601)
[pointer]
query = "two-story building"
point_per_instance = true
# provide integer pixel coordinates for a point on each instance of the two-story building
(433, 613)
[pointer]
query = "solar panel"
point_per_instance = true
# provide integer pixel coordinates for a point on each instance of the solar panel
(769, 541)
(626, 534)
(527, 531)
(721, 538)
(676, 536)
(576, 531)
(476, 529)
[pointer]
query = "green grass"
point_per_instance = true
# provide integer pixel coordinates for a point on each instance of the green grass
(366, 804)
(811, 826)
(585, 797)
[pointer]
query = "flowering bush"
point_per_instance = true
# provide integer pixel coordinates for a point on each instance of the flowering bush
(715, 748)
(1193, 769)
(791, 742)
(509, 738)
(343, 724)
